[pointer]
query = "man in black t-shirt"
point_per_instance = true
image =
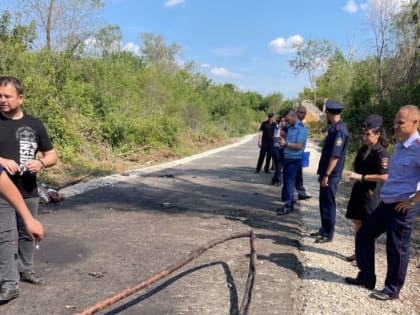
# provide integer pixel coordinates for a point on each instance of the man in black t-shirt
(265, 143)
(22, 139)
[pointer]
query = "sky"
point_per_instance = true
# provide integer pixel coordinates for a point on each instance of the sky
(244, 42)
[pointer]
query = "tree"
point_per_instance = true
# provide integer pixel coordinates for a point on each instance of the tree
(380, 17)
(106, 41)
(66, 24)
(275, 103)
(15, 40)
(406, 66)
(311, 57)
(155, 52)
(337, 79)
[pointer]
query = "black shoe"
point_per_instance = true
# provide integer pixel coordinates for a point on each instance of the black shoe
(31, 277)
(322, 240)
(316, 234)
(283, 211)
(382, 296)
(266, 171)
(304, 197)
(357, 281)
(7, 294)
(351, 258)
(256, 171)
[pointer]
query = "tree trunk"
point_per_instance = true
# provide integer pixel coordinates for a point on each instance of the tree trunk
(49, 26)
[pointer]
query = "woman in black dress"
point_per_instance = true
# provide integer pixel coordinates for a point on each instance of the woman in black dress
(370, 170)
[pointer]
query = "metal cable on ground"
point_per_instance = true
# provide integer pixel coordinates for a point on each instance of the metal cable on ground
(246, 301)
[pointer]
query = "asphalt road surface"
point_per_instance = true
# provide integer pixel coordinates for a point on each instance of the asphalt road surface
(123, 229)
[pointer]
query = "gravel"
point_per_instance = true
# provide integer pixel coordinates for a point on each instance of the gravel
(322, 286)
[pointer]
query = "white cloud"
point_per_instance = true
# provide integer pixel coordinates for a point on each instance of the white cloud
(205, 65)
(223, 72)
(131, 47)
(281, 45)
(351, 7)
(172, 3)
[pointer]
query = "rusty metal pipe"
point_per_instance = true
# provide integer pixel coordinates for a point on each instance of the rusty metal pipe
(246, 300)
(245, 305)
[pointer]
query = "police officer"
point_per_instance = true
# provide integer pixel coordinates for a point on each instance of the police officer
(370, 171)
(396, 213)
(265, 143)
(330, 169)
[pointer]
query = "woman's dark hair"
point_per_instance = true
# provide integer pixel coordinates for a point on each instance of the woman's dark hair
(382, 136)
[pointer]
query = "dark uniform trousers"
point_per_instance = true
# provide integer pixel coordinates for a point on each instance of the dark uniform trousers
(398, 227)
(265, 152)
(327, 206)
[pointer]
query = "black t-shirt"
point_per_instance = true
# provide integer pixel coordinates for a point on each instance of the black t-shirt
(267, 129)
(20, 140)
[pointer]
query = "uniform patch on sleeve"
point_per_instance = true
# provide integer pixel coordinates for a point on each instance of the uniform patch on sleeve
(338, 142)
(384, 163)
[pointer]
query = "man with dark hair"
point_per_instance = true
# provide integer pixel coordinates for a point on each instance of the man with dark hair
(22, 139)
(330, 169)
(265, 143)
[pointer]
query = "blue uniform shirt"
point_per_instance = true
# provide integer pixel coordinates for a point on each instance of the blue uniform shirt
(296, 133)
(335, 145)
(404, 171)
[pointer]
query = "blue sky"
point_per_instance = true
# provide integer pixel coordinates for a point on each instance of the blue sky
(244, 42)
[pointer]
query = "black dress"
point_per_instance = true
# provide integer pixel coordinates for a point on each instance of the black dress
(365, 196)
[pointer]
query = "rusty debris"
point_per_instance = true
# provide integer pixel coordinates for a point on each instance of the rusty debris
(246, 301)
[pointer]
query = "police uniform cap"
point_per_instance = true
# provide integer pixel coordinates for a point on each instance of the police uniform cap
(333, 107)
(270, 115)
(373, 121)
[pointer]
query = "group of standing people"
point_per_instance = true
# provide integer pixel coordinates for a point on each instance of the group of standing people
(385, 196)
(25, 150)
(396, 208)
(284, 143)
